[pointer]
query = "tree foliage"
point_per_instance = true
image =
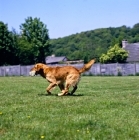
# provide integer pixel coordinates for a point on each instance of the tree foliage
(25, 53)
(32, 44)
(34, 34)
(7, 46)
(114, 54)
(94, 43)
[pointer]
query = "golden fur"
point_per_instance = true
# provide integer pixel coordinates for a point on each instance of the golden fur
(64, 77)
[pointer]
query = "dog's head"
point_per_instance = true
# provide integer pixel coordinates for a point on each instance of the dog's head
(36, 69)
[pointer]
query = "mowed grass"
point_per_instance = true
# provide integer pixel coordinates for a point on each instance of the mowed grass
(102, 108)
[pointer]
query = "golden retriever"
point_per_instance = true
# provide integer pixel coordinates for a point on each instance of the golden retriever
(64, 77)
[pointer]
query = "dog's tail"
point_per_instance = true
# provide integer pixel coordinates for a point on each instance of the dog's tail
(87, 66)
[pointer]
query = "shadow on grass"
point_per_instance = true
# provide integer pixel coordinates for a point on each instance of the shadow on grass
(60, 96)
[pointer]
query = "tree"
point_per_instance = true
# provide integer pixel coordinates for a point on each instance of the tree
(7, 46)
(36, 34)
(25, 54)
(114, 54)
(95, 42)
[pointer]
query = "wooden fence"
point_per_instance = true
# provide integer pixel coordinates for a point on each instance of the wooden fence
(97, 69)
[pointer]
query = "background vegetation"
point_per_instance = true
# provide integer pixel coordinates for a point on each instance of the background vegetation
(114, 54)
(32, 44)
(29, 46)
(102, 108)
(92, 44)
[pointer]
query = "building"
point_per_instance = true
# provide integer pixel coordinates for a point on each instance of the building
(55, 60)
(133, 50)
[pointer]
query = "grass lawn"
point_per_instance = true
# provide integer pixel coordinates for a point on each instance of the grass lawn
(102, 108)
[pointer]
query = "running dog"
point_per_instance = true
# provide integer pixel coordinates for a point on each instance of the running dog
(64, 77)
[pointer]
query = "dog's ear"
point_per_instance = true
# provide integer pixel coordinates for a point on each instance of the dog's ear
(44, 66)
(36, 66)
(39, 66)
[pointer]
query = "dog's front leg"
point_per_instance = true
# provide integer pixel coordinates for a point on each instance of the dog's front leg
(52, 85)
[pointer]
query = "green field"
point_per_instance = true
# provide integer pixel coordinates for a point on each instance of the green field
(103, 108)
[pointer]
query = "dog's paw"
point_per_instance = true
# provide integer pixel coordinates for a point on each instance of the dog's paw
(60, 94)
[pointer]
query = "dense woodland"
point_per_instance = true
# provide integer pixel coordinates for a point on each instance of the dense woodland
(92, 44)
(32, 44)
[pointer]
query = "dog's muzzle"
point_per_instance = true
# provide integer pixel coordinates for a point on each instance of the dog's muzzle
(32, 73)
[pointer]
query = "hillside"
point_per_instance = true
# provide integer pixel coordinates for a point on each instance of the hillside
(91, 44)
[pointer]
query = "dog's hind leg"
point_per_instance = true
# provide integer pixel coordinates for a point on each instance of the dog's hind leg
(74, 89)
(65, 90)
(72, 80)
(74, 83)
(61, 86)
